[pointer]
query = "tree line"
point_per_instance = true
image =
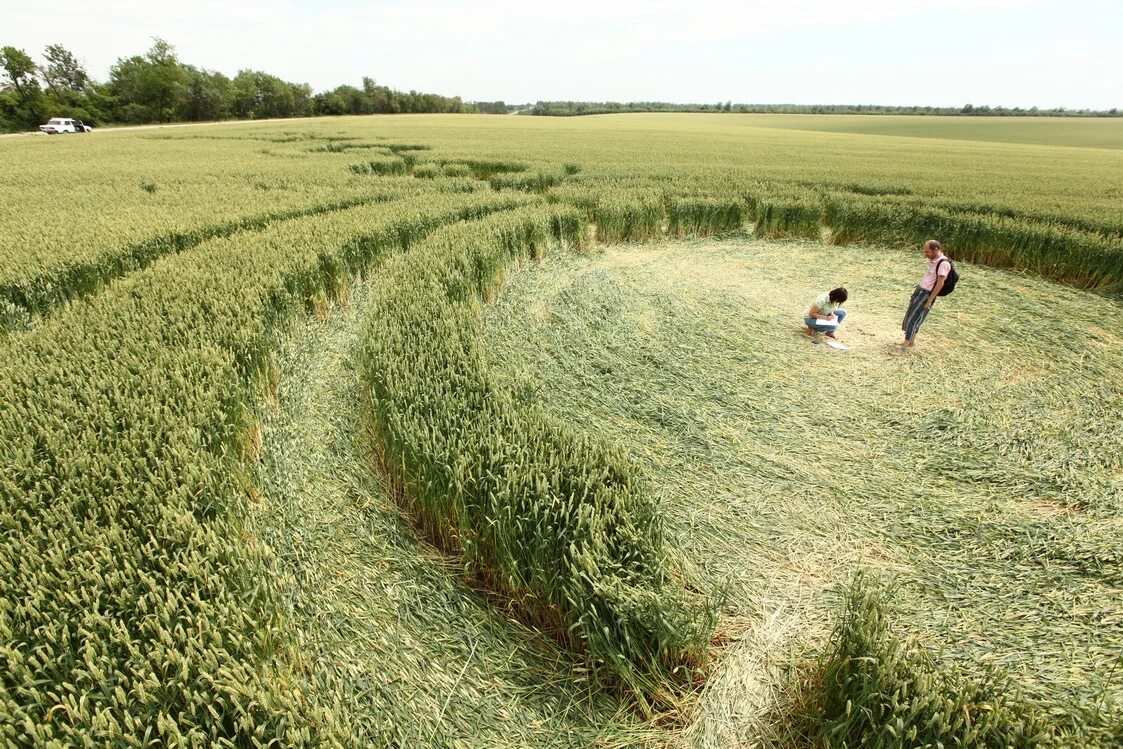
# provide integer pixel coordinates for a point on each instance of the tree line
(158, 87)
(577, 108)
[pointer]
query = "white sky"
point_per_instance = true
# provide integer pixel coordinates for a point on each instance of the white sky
(941, 52)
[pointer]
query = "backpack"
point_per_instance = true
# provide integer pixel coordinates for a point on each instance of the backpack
(950, 281)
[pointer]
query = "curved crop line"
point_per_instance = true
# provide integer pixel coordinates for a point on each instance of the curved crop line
(1052, 250)
(880, 690)
(40, 295)
(129, 578)
(550, 517)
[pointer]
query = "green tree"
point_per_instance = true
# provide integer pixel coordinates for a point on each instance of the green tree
(494, 107)
(63, 72)
(22, 108)
(152, 87)
(20, 70)
(330, 103)
(70, 90)
(207, 95)
(357, 101)
(379, 96)
(301, 99)
(258, 95)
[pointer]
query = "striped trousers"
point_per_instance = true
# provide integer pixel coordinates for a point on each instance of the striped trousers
(916, 312)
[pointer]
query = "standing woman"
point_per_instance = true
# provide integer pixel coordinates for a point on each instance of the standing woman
(924, 296)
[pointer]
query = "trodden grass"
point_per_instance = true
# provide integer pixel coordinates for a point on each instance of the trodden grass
(981, 474)
(414, 657)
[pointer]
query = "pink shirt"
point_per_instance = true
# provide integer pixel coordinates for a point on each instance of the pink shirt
(929, 279)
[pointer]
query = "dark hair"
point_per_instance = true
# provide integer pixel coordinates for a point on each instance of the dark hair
(838, 296)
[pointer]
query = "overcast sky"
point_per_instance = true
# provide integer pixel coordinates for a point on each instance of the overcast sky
(1046, 53)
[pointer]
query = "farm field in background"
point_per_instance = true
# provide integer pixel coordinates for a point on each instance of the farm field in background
(129, 197)
(272, 468)
(1043, 131)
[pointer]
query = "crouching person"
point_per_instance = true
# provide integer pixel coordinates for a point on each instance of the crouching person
(826, 313)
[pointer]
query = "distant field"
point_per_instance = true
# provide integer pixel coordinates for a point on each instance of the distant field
(274, 472)
(1081, 132)
(130, 196)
